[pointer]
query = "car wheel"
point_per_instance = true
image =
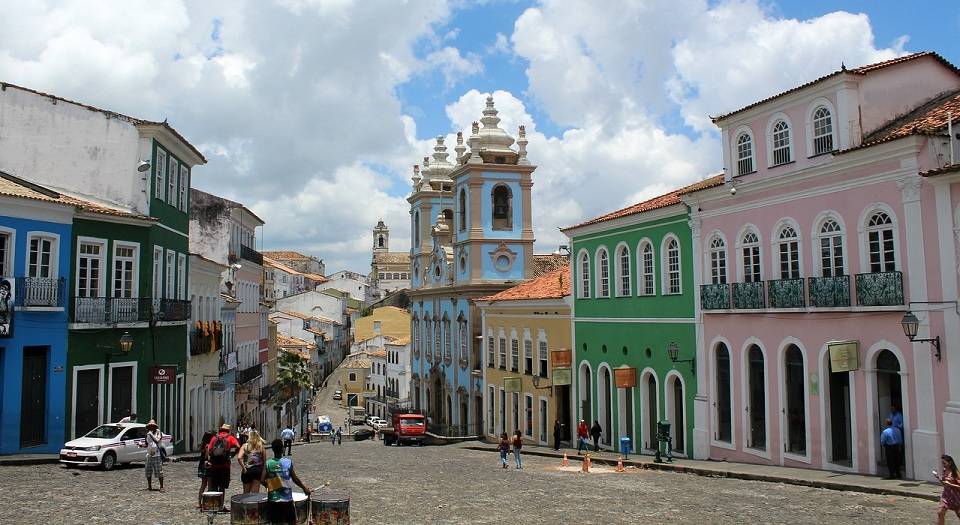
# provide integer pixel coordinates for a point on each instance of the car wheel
(109, 461)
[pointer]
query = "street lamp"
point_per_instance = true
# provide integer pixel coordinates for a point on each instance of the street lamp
(126, 342)
(673, 350)
(910, 323)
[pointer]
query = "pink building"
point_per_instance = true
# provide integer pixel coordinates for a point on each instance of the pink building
(837, 217)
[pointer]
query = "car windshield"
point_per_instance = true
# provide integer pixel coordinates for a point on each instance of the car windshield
(411, 422)
(105, 432)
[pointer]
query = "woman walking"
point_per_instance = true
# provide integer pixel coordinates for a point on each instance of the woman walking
(517, 445)
(202, 466)
(595, 432)
(504, 448)
(950, 497)
(251, 457)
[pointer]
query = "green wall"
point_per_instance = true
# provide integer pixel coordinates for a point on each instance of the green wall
(169, 214)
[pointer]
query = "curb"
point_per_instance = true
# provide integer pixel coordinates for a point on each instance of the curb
(16, 462)
(711, 473)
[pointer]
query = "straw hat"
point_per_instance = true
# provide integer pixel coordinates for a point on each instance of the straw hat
(225, 426)
(152, 423)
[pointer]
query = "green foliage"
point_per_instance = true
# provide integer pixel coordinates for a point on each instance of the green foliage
(293, 372)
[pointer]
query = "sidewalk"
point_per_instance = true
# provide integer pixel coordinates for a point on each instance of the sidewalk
(770, 473)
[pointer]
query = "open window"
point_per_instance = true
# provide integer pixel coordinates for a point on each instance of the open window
(502, 208)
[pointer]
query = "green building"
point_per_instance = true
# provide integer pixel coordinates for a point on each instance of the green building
(634, 323)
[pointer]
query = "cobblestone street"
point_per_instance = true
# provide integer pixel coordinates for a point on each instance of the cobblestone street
(452, 485)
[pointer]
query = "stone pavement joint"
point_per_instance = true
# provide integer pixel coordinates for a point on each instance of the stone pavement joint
(751, 472)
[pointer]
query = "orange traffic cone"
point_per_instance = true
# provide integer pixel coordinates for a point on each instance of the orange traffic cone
(585, 468)
(565, 462)
(619, 463)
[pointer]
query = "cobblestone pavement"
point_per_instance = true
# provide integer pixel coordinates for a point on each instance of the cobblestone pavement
(451, 485)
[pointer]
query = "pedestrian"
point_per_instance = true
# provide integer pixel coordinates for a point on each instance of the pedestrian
(950, 497)
(132, 418)
(287, 436)
(242, 433)
(582, 432)
(517, 445)
(557, 432)
(595, 433)
(308, 432)
(154, 444)
(339, 435)
(250, 458)
(277, 476)
(222, 446)
(504, 448)
(202, 466)
(891, 439)
(333, 438)
(896, 417)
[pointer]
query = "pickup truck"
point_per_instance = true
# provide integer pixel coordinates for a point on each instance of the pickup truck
(406, 428)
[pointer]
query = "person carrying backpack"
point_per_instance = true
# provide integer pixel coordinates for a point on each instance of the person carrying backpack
(221, 448)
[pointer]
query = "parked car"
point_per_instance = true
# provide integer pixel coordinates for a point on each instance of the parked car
(110, 444)
(337, 395)
(379, 423)
(362, 433)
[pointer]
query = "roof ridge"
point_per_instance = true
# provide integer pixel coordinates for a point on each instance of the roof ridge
(910, 115)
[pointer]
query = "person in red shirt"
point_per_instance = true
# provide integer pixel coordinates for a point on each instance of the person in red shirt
(221, 448)
(582, 433)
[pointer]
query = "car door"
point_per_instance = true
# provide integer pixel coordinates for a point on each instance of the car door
(132, 439)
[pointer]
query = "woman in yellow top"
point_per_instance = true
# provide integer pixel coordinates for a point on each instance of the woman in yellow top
(251, 458)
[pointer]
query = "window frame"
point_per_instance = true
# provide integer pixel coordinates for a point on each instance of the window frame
(169, 283)
(514, 352)
(8, 255)
(102, 284)
(642, 274)
(742, 245)
(583, 285)
(719, 273)
(735, 151)
(777, 246)
(667, 272)
(182, 187)
(181, 276)
(603, 289)
(622, 272)
(173, 172)
(866, 230)
(819, 236)
(160, 175)
(810, 131)
(135, 263)
(54, 262)
(528, 359)
(543, 354)
(776, 119)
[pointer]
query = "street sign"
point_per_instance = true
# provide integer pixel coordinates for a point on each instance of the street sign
(844, 355)
(162, 375)
(562, 358)
(625, 377)
(217, 386)
(562, 377)
(512, 384)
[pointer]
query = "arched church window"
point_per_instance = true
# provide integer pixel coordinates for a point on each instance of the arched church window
(502, 208)
(463, 210)
(380, 241)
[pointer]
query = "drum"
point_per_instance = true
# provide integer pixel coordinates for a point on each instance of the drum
(248, 509)
(302, 507)
(330, 508)
(211, 501)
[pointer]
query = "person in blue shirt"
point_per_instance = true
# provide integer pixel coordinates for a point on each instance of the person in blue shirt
(896, 417)
(891, 439)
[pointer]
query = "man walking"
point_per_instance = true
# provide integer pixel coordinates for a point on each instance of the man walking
(595, 432)
(287, 436)
(219, 451)
(891, 439)
(557, 432)
(154, 444)
(339, 436)
(582, 432)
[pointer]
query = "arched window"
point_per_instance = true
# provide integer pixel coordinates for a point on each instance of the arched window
(796, 409)
(718, 261)
(603, 273)
(623, 271)
(757, 399)
(415, 328)
(723, 405)
(672, 266)
(448, 216)
(463, 209)
(584, 276)
(647, 283)
(462, 325)
(788, 249)
(744, 154)
(436, 340)
(427, 340)
(750, 250)
(446, 340)
(502, 208)
(380, 241)
(880, 243)
(416, 230)
(831, 249)
(781, 143)
(822, 131)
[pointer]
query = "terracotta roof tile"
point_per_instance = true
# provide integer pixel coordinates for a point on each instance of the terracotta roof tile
(391, 258)
(286, 340)
(316, 277)
(286, 255)
(399, 341)
(553, 285)
(927, 119)
(949, 168)
(279, 265)
(13, 186)
(544, 263)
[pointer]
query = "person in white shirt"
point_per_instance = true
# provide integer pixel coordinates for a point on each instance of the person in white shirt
(132, 418)
(154, 444)
(287, 436)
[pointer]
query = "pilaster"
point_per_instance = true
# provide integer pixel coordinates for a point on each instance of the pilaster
(701, 402)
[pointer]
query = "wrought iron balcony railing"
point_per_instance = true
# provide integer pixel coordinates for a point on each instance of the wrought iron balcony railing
(880, 289)
(786, 293)
(748, 296)
(715, 296)
(32, 292)
(251, 255)
(828, 292)
(112, 310)
(249, 374)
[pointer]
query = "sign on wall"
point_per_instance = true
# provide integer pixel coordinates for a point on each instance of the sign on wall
(562, 377)
(162, 375)
(625, 377)
(561, 358)
(512, 384)
(844, 355)
(6, 306)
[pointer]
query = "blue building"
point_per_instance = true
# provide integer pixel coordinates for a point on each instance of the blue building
(472, 236)
(35, 237)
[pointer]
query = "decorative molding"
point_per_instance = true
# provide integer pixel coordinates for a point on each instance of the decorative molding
(909, 188)
(503, 251)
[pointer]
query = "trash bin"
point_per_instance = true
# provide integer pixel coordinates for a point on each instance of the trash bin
(625, 447)
(664, 442)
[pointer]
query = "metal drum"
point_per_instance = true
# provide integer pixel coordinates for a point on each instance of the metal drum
(248, 509)
(211, 501)
(301, 505)
(330, 508)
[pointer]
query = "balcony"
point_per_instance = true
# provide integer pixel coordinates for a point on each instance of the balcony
(786, 293)
(880, 289)
(249, 374)
(748, 296)
(829, 292)
(40, 292)
(113, 310)
(715, 296)
(251, 255)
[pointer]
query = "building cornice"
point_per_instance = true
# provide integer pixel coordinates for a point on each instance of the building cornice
(629, 220)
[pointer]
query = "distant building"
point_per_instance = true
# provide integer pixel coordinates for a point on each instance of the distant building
(390, 271)
(298, 261)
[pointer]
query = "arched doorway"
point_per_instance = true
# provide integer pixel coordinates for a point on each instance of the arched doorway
(889, 394)
(838, 417)
(675, 412)
(757, 399)
(586, 385)
(604, 396)
(448, 414)
(651, 411)
(722, 395)
(795, 401)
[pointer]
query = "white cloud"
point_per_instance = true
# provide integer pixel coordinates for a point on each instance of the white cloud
(453, 65)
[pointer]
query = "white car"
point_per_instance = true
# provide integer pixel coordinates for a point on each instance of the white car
(376, 422)
(110, 444)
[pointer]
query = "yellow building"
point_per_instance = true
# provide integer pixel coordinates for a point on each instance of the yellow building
(387, 320)
(526, 332)
(354, 380)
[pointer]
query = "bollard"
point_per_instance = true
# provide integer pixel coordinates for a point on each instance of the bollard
(619, 463)
(585, 467)
(565, 462)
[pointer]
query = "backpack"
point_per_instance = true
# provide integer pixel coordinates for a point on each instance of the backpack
(220, 451)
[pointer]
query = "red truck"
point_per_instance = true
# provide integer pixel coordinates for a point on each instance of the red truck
(407, 428)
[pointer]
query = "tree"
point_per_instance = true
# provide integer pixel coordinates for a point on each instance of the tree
(293, 374)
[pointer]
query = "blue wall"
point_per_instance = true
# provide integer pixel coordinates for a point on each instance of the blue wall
(33, 328)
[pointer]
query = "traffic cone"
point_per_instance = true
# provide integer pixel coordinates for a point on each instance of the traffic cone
(565, 462)
(619, 463)
(585, 468)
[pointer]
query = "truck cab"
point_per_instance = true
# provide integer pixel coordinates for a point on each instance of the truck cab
(406, 428)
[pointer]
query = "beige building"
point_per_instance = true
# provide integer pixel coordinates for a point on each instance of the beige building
(389, 271)
(525, 329)
(388, 321)
(354, 381)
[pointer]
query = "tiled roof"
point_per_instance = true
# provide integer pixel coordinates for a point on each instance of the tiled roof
(553, 285)
(316, 277)
(662, 201)
(926, 119)
(377, 353)
(863, 70)
(949, 168)
(399, 341)
(286, 340)
(298, 315)
(113, 114)
(391, 258)
(357, 363)
(279, 265)
(286, 255)
(13, 186)
(544, 263)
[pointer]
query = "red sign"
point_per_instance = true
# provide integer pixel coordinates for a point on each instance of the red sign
(162, 375)
(561, 358)
(625, 377)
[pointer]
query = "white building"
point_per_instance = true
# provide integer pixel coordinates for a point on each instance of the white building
(397, 381)
(376, 384)
(358, 286)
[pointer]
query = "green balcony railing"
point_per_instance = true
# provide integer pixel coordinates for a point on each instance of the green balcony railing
(715, 296)
(880, 289)
(786, 293)
(748, 296)
(828, 292)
